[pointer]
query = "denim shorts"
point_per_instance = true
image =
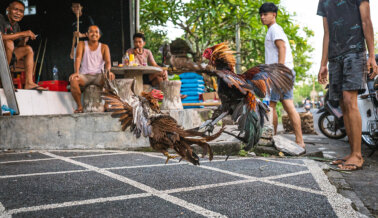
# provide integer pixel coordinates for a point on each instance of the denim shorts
(275, 96)
(347, 73)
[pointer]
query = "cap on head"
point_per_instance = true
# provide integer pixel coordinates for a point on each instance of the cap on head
(16, 1)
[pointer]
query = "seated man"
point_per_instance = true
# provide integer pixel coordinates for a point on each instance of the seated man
(91, 56)
(144, 57)
(15, 41)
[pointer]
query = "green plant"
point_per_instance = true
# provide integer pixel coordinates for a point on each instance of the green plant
(208, 22)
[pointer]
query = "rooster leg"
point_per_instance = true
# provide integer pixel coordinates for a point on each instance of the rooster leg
(169, 157)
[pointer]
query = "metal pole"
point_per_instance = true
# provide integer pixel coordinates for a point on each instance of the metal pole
(238, 58)
(137, 6)
(122, 29)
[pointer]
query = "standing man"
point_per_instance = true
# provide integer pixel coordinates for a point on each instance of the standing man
(15, 41)
(346, 26)
(84, 23)
(277, 50)
(91, 57)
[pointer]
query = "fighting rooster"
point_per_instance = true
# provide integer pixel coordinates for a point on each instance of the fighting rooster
(143, 116)
(240, 93)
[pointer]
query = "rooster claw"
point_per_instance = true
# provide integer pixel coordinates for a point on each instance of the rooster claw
(169, 157)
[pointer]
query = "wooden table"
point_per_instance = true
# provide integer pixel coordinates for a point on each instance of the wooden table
(136, 72)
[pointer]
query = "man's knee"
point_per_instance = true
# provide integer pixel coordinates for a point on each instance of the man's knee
(349, 101)
(9, 45)
(29, 49)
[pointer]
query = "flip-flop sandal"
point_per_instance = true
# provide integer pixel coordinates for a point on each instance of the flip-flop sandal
(350, 165)
(337, 161)
(39, 89)
(77, 111)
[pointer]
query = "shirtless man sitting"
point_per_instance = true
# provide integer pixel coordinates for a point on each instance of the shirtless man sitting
(91, 57)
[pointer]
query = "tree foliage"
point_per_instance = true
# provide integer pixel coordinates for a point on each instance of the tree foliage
(208, 22)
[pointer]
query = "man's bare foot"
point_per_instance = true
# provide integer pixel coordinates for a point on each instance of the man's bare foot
(78, 110)
(354, 162)
(340, 160)
(302, 144)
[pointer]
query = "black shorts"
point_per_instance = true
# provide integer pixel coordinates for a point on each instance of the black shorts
(347, 73)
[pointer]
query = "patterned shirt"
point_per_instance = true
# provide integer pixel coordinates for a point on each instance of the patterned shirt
(345, 26)
(6, 28)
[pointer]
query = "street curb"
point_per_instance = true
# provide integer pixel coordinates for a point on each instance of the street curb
(343, 188)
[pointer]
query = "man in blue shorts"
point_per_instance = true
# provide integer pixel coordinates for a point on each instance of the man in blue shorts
(347, 25)
(277, 50)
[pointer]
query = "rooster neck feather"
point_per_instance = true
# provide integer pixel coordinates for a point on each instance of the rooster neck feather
(222, 56)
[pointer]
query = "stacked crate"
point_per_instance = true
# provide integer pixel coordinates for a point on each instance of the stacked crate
(192, 86)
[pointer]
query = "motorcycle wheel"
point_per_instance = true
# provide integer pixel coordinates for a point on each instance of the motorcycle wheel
(370, 142)
(328, 126)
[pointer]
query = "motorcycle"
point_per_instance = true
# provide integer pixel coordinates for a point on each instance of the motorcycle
(331, 122)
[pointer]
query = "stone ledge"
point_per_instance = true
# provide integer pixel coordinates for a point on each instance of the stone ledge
(77, 131)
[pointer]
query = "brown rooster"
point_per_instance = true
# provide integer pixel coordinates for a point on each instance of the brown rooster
(144, 117)
(240, 93)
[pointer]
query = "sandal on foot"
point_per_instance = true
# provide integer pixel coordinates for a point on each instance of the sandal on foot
(39, 88)
(337, 161)
(355, 167)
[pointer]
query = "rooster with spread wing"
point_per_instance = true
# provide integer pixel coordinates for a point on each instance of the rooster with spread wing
(143, 116)
(240, 93)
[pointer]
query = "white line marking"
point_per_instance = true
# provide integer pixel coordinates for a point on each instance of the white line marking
(341, 206)
(77, 203)
(195, 208)
(264, 180)
(200, 187)
(282, 162)
(20, 161)
(144, 166)
(286, 175)
(43, 174)
(3, 213)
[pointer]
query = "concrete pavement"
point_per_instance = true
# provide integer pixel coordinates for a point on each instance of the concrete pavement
(137, 184)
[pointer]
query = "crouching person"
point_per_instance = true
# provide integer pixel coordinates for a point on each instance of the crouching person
(91, 58)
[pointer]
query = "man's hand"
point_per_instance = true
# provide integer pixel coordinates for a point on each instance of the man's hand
(164, 75)
(372, 64)
(74, 76)
(111, 76)
(29, 34)
(322, 76)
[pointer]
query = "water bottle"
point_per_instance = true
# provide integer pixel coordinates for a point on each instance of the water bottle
(55, 73)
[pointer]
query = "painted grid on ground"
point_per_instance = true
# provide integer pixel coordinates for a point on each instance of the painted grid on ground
(340, 205)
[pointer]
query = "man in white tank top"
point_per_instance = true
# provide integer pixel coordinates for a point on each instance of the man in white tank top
(91, 58)
(277, 50)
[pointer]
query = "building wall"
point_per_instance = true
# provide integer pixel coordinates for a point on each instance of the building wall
(53, 22)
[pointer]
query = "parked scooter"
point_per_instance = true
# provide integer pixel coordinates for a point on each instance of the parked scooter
(331, 122)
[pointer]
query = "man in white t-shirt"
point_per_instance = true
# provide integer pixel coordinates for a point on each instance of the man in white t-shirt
(277, 50)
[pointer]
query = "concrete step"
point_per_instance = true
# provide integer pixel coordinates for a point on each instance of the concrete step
(80, 131)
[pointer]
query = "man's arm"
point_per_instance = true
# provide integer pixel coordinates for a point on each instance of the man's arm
(323, 72)
(79, 56)
(107, 60)
(280, 44)
(19, 35)
(369, 35)
(106, 57)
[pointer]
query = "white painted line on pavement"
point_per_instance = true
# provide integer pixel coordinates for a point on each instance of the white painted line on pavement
(3, 213)
(77, 203)
(143, 166)
(43, 174)
(341, 205)
(195, 208)
(282, 162)
(20, 161)
(200, 187)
